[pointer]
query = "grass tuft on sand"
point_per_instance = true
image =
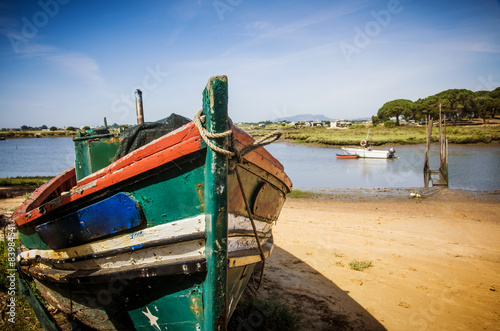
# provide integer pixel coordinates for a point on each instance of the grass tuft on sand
(360, 265)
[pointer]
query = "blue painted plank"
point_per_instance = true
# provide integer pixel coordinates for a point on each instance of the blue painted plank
(110, 216)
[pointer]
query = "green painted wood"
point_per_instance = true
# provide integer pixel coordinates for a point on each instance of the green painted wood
(181, 310)
(216, 171)
(39, 309)
(171, 195)
(30, 238)
(94, 151)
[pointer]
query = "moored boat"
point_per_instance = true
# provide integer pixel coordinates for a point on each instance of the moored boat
(365, 151)
(347, 156)
(368, 152)
(165, 236)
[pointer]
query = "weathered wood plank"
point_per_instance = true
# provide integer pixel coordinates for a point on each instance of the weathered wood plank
(216, 173)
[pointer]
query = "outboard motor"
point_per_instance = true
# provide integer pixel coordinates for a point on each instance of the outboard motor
(391, 152)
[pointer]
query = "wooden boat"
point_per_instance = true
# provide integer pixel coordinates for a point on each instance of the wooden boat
(165, 237)
(347, 156)
(368, 152)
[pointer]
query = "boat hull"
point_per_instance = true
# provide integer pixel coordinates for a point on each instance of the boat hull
(347, 156)
(369, 153)
(163, 248)
(127, 246)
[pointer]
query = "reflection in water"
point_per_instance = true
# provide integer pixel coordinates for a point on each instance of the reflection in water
(471, 167)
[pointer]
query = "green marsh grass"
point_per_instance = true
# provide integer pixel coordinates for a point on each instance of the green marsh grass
(24, 181)
(380, 135)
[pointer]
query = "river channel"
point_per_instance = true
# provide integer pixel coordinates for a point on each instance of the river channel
(471, 167)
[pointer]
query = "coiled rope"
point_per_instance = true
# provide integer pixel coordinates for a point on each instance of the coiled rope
(208, 136)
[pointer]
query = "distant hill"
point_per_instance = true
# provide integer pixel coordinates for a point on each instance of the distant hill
(302, 118)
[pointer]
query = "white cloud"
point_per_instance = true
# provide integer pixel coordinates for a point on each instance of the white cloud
(76, 64)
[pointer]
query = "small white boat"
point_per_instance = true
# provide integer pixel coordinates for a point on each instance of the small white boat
(368, 152)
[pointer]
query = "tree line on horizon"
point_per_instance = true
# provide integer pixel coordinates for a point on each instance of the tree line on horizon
(456, 104)
(69, 128)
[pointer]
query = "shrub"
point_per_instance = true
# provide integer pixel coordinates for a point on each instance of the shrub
(357, 126)
(389, 124)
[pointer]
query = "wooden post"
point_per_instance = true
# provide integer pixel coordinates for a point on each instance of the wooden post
(427, 170)
(216, 170)
(443, 149)
(138, 106)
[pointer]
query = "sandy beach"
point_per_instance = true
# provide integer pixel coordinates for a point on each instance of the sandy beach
(435, 260)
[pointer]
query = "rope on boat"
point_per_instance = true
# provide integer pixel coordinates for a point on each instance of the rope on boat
(266, 140)
(208, 136)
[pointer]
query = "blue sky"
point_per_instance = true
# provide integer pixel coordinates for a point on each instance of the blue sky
(73, 62)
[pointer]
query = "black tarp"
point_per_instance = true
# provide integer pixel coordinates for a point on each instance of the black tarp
(140, 135)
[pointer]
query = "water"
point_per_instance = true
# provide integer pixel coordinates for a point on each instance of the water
(36, 157)
(471, 167)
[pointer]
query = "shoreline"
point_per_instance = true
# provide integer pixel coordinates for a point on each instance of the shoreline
(494, 143)
(390, 193)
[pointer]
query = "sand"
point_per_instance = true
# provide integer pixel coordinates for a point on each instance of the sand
(435, 260)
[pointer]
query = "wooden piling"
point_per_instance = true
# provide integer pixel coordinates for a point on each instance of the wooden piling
(438, 177)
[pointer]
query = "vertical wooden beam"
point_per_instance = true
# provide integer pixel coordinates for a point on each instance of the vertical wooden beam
(216, 168)
(426, 160)
(443, 150)
(138, 106)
